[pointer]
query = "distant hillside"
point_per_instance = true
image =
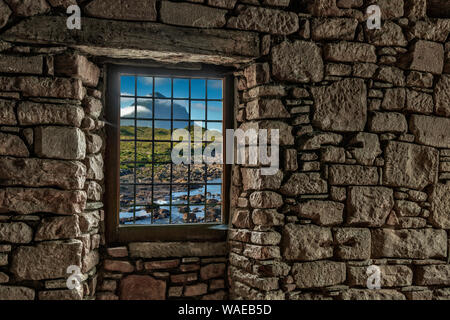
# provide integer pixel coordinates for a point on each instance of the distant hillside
(145, 110)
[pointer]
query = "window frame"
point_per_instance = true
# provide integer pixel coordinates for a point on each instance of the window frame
(169, 232)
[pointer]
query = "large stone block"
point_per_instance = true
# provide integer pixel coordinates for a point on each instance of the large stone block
(16, 232)
(366, 148)
(284, 130)
(318, 274)
(42, 173)
(433, 275)
(47, 260)
(352, 243)
(27, 8)
(264, 20)
(306, 242)
(137, 287)
(341, 106)
(442, 96)
(5, 13)
(265, 200)
(15, 64)
(304, 183)
(32, 200)
(12, 145)
(391, 276)
(191, 15)
(16, 293)
(340, 174)
(345, 51)
(299, 61)
(394, 122)
(63, 88)
(440, 205)
(325, 213)
(60, 143)
(334, 29)
(58, 228)
(369, 206)
(7, 112)
(177, 249)
(30, 113)
(94, 165)
(426, 56)
(431, 131)
(252, 179)
(266, 109)
(409, 165)
(390, 34)
(409, 244)
(134, 10)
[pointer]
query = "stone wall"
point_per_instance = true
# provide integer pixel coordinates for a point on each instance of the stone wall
(365, 148)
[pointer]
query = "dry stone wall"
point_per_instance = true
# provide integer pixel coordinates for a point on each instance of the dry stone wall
(365, 149)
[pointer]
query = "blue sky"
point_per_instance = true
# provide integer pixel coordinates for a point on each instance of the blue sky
(180, 90)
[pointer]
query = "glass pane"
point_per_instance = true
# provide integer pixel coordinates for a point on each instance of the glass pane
(198, 89)
(126, 215)
(181, 109)
(144, 130)
(180, 173)
(126, 173)
(145, 86)
(162, 215)
(144, 173)
(162, 130)
(179, 194)
(144, 109)
(144, 196)
(127, 129)
(214, 89)
(179, 214)
(213, 194)
(127, 151)
(163, 152)
(198, 110)
(197, 194)
(181, 125)
(163, 87)
(216, 127)
(197, 131)
(181, 88)
(214, 173)
(196, 215)
(163, 109)
(215, 110)
(161, 173)
(127, 85)
(213, 214)
(197, 173)
(144, 151)
(127, 109)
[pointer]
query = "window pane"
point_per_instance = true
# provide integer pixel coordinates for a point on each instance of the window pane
(127, 151)
(144, 173)
(213, 214)
(163, 109)
(144, 151)
(127, 85)
(145, 86)
(181, 109)
(214, 173)
(162, 152)
(197, 173)
(126, 173)
(214, 89)
(163, 87)
(198, 110)
(213, 194)
(144, 130)
(181, 88)
(215, 110)
(179, 194)
(198, 89)
(180, 173)
(127, 108)
(197, 194)
(161, 173)
(144, 109)
(196, 215)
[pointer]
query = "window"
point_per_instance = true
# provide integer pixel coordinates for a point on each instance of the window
(149, 197)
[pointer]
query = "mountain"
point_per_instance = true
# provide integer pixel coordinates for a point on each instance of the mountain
(145, 110)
